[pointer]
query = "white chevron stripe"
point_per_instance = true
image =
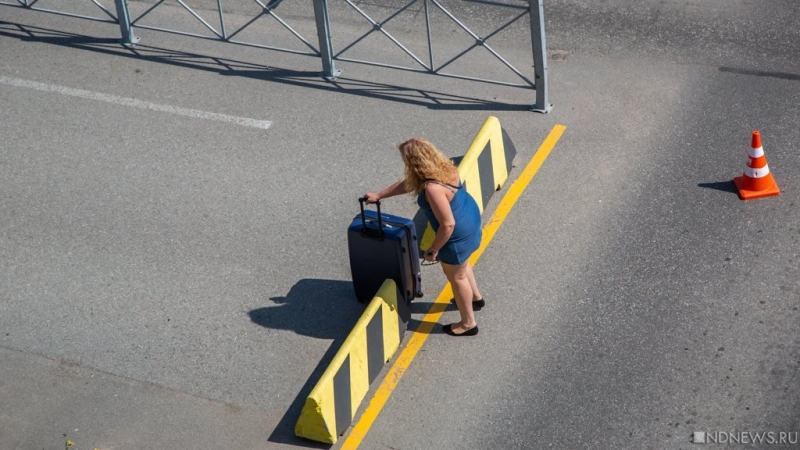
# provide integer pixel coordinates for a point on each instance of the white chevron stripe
(756, 173)
(755, 152)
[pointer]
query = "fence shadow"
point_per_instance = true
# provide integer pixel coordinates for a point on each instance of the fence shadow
(228, 67)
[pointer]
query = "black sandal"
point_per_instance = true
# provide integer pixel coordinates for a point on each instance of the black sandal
(448, 329)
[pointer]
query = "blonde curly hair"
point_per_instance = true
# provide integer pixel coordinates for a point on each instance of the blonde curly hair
(424, 162)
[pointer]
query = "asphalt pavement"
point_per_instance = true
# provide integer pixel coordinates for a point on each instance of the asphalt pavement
(175, 277)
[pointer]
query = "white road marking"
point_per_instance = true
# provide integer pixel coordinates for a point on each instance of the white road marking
(125, 101)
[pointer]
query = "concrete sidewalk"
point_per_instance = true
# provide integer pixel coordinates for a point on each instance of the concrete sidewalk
(55, 401)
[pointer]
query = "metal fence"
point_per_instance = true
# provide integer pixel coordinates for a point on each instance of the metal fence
(215, 23)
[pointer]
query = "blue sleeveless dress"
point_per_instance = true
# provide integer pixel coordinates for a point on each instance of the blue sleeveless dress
(466, 237)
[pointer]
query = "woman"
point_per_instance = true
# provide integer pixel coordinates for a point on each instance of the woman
(454, 216)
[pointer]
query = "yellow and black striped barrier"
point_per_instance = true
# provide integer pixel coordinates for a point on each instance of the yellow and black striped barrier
(332, 404)
(484, 168)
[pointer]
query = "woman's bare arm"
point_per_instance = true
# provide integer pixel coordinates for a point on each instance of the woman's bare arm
(396, 188)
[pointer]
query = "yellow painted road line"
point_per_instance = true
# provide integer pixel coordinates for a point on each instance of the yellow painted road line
(433, 315)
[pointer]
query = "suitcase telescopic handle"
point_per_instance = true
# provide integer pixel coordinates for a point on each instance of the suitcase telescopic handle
(364, 218)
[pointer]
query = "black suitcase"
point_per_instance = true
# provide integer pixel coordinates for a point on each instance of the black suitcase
(383, 246)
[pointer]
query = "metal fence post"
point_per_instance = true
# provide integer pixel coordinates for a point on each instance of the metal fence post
(539, 56)
(324, 34)
(124, 19)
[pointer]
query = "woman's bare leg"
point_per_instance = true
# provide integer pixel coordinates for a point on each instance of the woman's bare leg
(476, 293)
(462, 291)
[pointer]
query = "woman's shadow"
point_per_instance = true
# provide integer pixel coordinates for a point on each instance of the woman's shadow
(323, 309)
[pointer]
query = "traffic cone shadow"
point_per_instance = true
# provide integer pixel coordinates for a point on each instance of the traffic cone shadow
(756, 180)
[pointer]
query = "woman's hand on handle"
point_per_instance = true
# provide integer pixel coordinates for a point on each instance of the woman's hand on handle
(396, 188)
(371, 198)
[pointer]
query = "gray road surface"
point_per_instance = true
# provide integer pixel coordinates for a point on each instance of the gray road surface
(175, 280)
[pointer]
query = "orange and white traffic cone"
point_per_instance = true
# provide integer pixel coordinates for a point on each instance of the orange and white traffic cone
(756, 181)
